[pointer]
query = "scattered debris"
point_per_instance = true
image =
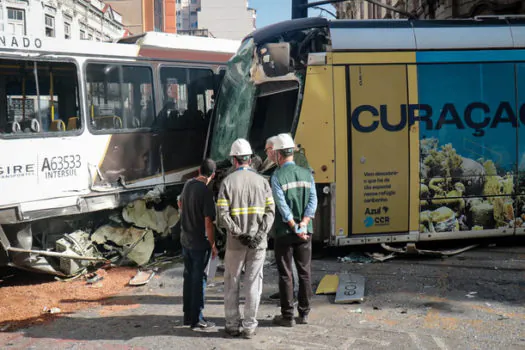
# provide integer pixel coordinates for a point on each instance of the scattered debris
(356, 258)
(357, 311)
(141, 278)
(403, 311)
(502, 317)
(53, 310)
(351, 289)
(376, 308)
(328, 285)
(410, 249)
(93, 278)
(5, 327)
(471, 294)
(381, 257)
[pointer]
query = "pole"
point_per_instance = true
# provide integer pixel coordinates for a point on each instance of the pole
(55, 254)
(299, 9)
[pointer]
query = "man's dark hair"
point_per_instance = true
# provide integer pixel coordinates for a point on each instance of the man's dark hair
(243, 160)
(208, 167)
(286, 152)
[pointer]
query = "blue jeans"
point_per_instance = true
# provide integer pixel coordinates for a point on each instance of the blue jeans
(193, 293)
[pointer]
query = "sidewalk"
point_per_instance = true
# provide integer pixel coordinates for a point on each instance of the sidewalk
(471, 301)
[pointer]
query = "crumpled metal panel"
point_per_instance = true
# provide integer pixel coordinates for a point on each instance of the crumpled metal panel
(138, 214)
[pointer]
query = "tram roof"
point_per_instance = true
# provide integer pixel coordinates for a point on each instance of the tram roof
(407, 34)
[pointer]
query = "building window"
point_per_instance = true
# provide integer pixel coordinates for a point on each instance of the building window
(193, 13)
(82, 35)
(1, 18)
(90, 36)
(158, 14)
(67, 30)
(193, 1)
(50, 26)
(178, 13)
(16, 21)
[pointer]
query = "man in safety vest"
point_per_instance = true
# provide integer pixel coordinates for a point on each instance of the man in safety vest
(246, 210)
(296, 200)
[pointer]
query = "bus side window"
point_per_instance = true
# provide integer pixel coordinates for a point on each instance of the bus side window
(120, 97)
(187, 94)
(187, 97)
(26, 108)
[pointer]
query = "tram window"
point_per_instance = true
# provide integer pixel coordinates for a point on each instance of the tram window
(120, 97)
(38, 101)
(187, 98)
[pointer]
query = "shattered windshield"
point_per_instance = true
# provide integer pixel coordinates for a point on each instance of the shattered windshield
(235, 102)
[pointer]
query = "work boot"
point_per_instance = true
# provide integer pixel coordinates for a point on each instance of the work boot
(232, 332)
(302, 319)
(248, 333)
(283, 322)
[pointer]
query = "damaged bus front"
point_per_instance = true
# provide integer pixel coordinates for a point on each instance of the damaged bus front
(96, 142)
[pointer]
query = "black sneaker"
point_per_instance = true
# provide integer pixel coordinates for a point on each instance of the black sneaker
(203, 325)
(283, 322)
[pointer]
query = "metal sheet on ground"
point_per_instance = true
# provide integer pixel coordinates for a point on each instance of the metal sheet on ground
(351, 289)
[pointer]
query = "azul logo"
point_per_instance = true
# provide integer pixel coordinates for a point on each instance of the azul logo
(380, 218)
(448, 114)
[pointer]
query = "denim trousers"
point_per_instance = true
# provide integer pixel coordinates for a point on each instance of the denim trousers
(195, 262)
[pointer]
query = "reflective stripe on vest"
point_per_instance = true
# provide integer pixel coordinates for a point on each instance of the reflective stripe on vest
(297, 184)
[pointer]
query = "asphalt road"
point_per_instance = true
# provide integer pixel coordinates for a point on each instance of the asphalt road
(474, 300)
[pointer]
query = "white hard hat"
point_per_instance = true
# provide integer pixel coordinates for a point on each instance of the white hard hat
(240, 147)
(283, 141)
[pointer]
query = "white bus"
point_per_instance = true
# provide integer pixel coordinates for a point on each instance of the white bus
(88, 126)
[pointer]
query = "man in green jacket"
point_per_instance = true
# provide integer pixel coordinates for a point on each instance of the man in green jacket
(295, 197)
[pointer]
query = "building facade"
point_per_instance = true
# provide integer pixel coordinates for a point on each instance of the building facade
(429, 9)
(228, 19)
(187, 17)
(147, 15)
(69, 19)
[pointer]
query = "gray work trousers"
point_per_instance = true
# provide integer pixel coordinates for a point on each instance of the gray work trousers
(253, 262)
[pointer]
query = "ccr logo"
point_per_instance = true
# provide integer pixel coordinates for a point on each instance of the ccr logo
(369, 221)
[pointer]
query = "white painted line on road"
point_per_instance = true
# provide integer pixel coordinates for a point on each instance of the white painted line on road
(440, 343)
(416, 341)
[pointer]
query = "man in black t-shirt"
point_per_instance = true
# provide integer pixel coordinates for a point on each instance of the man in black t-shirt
(198, 241)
